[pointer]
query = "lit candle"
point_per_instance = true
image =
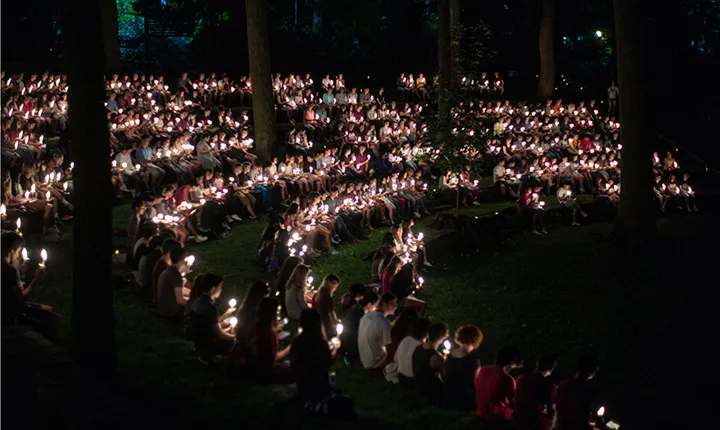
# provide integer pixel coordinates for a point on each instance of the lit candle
(339, 329)
(232, 303)
(189, 260)
(43, 257)
(25, 254)
(601, 411)
(233, 322)
(18, 225)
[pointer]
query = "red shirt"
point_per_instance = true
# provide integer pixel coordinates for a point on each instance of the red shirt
(386, 279)
(494, 393)
(575, 399)
(533, 402)
(160, 266)
(524, 202)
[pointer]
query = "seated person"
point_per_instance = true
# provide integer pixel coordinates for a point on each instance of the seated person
(428, 364)
(495, 388)
(351, 321)
(566, 199)
(258, 347)
(403, 355)
(460, 368)
(15, 307)
(171, 285)
(204, 322)
(534, 396)
(374, 333)
(576, 399)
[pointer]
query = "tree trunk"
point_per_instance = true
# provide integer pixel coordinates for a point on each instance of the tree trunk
(457, 202)
(92, 317)
(444, 61)
(262, 95)
(109, 19)
(455, 41)
(546, 85)
(636, 218)
(317, 17)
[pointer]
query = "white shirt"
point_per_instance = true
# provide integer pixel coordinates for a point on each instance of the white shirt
(498, 173)
(562, 193)
(403, 355)
(373, 336)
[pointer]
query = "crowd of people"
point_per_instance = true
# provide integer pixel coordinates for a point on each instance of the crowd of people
(354, 161)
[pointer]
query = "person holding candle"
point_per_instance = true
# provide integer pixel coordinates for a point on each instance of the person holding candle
(311, 357)
(400, 328)
(495, 388)
(461, 365)
(352, 316)
(171, 286)
(163, 263)
(428, 364)
(204, 324)
(534, 406)
(576, 399)
(325, 306)
(296, 292)
(566, 199)
(404, 354)
(249, 307)
(257, 350)
(16, 309)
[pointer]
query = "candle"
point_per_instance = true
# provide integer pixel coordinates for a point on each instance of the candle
(189, 260)
(339, 329)
(233, 322)
(43, 257)
(25, 254)
(232, 303)
(601, 411)
(18, 225)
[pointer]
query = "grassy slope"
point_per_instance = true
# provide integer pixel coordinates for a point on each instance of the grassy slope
(533, 293)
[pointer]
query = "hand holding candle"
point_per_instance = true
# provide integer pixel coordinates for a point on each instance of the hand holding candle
(43, 258)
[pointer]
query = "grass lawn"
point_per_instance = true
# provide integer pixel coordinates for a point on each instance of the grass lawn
(568, 293)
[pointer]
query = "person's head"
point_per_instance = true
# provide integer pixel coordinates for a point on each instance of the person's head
(501, 162)
(257, 291)
(546, 364)
(437, 333)
(566, 185)
(211, 284)
(286, 270)
(298, 278)
(310, 324)
(267, 313)
(388, 304)
(508, 357)
(12, 246)
(331, 282)
(587, 366)
(369, 301)
(419, 329)
(468, 337)
(177, 256)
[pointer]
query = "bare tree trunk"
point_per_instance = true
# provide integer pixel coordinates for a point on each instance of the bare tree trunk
(109, 19)
(546, 84)
(317, 17)
(636, 219)
(454, 41)
(93, 320)
(444, 60)
(262, 95)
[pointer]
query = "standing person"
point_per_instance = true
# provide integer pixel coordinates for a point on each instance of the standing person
(351, 322)
(576, 399)
(534, 408)
(374, 333)
(323, 302)
(171, 300)
(495, 388)
(428, 364)
(461, 366)
(613, 95)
